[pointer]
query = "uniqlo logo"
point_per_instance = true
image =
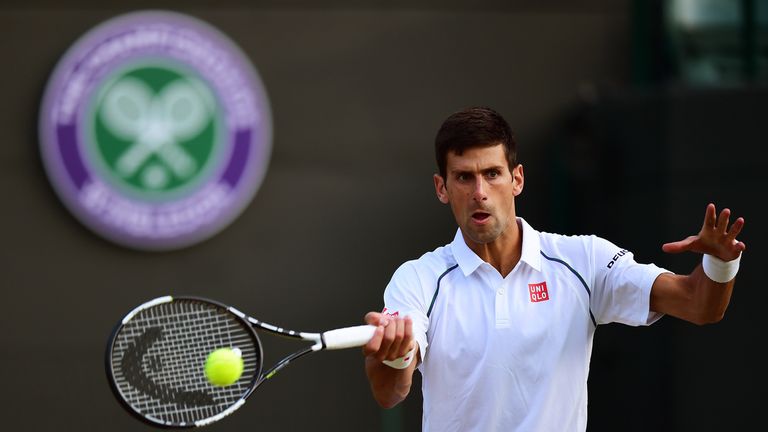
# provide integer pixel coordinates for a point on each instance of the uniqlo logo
(538, 292)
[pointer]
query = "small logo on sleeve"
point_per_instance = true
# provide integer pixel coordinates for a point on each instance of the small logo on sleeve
(616, 257)
(538, 292)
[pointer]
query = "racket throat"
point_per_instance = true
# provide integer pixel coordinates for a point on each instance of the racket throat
(284, 362)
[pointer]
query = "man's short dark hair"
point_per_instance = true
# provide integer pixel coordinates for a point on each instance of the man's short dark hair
(471, 128)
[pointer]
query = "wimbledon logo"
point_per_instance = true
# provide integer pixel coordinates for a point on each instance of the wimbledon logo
(155, 130)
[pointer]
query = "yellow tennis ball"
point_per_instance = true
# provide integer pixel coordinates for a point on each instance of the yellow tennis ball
(224, 366)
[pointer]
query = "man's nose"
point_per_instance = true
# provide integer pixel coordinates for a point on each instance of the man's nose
(478, 194)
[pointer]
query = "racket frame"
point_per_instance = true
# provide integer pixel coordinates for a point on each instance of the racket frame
(337, 339)
(257, 380)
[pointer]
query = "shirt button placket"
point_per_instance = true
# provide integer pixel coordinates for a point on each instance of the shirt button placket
(502, 307)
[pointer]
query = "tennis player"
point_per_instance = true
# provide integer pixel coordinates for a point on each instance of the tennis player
(500, 322)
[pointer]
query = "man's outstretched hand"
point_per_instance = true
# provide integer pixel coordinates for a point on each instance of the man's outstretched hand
(715, 237)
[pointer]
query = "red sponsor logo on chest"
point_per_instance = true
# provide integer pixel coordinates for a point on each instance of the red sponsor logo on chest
(538, 291)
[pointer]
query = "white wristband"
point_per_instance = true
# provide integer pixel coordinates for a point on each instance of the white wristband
(402, 362)
(719, 270)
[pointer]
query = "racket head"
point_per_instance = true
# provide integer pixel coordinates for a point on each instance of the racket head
(156, 354)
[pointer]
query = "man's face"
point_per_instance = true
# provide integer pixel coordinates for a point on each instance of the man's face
(481, 191)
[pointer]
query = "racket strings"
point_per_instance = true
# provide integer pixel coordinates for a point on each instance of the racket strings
(158, 361)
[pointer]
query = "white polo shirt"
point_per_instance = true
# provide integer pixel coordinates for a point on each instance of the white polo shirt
(512, 354)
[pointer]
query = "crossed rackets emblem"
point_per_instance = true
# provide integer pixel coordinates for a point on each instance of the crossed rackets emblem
(156, 125)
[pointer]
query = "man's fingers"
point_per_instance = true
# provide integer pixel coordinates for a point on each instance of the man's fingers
(376, 318)
(679, 246)
(399, 332)
(709, 217)
(735, 229)
(722, 221)
(372, 318)
(386, 341)
(733, 232)
(392, 339)
(407, 337)
(374, 343)
(405, 340)
(715, 238)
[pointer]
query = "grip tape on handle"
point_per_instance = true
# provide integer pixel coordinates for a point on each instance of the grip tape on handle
(348, 337)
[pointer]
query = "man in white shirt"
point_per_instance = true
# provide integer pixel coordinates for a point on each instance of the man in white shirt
(500, 322)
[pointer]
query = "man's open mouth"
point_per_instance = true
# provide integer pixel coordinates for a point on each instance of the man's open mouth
(480, 216)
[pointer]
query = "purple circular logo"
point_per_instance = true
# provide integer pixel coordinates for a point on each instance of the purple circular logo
(155, 130)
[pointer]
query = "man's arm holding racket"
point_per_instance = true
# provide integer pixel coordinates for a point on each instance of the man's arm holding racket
(392, 340)
(696, 297)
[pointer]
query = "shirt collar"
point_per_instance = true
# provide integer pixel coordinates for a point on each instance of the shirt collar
(468, 260)
(531, 246)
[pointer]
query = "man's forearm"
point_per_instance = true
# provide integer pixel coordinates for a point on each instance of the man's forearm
(389, 386)
(712, 297)
(694, 298)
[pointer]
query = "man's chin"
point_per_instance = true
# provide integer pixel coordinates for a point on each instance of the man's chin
(482, 236)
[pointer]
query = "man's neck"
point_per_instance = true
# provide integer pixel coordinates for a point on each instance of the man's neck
(503, 253)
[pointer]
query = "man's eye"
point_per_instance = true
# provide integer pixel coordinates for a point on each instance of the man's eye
(462, 177)
(493, 174)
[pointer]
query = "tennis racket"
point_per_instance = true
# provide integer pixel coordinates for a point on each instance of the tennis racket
(156, 355)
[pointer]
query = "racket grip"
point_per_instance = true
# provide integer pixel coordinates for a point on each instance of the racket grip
(348, 337)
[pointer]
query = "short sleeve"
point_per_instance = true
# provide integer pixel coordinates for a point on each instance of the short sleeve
(622, 286)
(404, 297)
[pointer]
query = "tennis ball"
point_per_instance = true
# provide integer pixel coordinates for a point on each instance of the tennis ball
(224, 366)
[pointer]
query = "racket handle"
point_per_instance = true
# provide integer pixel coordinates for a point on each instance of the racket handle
(348, 337)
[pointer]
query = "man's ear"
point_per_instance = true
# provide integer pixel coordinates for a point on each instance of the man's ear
(518, 179)
(442, 193)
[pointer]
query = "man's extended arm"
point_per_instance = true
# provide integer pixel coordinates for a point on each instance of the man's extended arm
(696, 297)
